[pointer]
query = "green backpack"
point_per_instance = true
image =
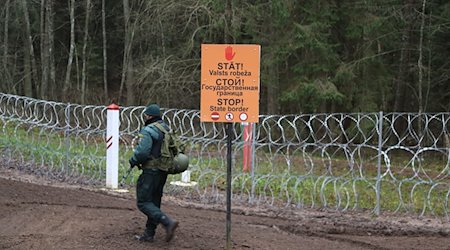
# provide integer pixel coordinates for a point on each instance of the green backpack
(172, 151)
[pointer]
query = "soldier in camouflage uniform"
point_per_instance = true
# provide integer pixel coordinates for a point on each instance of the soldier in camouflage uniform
(149, 188)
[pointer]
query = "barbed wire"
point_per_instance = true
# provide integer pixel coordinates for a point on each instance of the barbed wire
(396, 162)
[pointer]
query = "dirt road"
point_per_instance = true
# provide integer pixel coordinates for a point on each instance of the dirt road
(36, 214)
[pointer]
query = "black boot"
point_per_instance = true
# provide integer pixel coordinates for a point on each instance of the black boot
(170, 226)
(145, 237)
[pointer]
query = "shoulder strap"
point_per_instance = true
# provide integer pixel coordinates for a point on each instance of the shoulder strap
(160, 127)
(154, 132)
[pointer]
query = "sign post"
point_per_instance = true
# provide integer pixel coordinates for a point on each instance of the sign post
(230, 78)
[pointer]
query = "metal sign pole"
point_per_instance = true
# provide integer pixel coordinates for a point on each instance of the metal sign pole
(229, 130)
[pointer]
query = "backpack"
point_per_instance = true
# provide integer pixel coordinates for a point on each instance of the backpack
(172, 151)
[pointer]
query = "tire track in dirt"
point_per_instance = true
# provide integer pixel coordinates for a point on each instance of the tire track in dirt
(42, 203)
(357, 243)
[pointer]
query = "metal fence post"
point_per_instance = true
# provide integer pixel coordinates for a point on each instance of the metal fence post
(252, 195)
(380, 149)
(67, 138)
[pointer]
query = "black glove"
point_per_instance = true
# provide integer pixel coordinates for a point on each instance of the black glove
(132, 162)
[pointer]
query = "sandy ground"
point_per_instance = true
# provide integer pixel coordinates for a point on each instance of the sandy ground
(37, 213)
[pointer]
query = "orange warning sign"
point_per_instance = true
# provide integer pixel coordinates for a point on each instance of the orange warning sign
(230, 83)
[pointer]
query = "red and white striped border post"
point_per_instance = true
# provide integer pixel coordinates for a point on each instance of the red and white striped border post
(112, 146)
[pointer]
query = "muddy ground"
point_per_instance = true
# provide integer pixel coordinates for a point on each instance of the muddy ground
(37, 213)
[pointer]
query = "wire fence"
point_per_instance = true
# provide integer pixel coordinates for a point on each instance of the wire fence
(396, 162)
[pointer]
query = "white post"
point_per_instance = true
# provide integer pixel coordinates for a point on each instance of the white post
(186, 176)
(112, 146)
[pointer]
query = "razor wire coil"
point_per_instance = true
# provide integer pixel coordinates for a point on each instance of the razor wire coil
(309, 160)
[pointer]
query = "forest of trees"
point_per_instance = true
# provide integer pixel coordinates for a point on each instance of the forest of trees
(316, 55)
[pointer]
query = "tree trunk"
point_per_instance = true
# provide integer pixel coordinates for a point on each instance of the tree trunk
(44, 51)
(130, 82)
(5, 49)
(228, 22)
(84, 56)
(273, 91)
(126, 15)
(51, 49)
(105, 61)
(27, 85)
(399, 80)
(127, 68)
(427, 95)
(419, 61)
(71, 48)
(29, 54)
